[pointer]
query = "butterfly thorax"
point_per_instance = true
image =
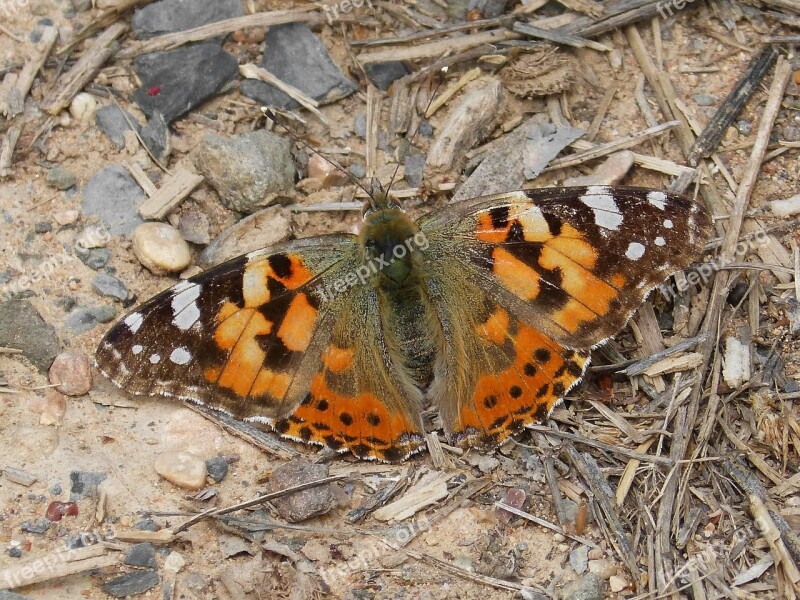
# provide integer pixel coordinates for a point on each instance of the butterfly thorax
(394, 248)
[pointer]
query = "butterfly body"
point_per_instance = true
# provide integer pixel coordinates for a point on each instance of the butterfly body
(484, 309)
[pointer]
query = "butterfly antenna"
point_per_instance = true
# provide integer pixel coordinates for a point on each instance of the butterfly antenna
(267, 112)
(443, 71)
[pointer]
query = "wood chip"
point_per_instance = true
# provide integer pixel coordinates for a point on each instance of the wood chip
(175, 188)
(431, 488)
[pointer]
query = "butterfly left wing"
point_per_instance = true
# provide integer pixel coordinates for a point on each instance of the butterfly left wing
(547, 273)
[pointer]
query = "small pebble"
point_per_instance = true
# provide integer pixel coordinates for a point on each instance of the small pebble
(579, 559)
(305, 504)
(96, 258)
(14, 551)
(358, 170)
(40, 525)
(602, 567)
(84, 484)
(704, 99)
(617, 583)
(58, 510)
(108, 285)
(744, 126)
(184, 469)
(131, 584)
(141, 555)
(174, 563)
(146, 525)
(51, 408)
(71, 373)
(60, 178)
(43, 227)
(66, 217)
(588, 587)
(217, 468)
(160, 248)
(85, 319)
(83, 107)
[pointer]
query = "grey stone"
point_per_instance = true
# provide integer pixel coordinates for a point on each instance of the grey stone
(60, 178)
(108, 285)
(414, 165)
(579, 559)
(155, 136)
(96, 258)
(43, 227)
(13, 552)
(131, 584)
(82, 320)
(296, 56)
(81, 5)
(184, 77)
(146, 525)
(306, 503)
(111, 120)
(141, 555)
(22, 327)
(217, 468)
(246, 168)
(83, 484)
(40, 525)
(704, 99)
(169, 16)
(588, 587)
(113, 196)
(384, 74)
(358, 170)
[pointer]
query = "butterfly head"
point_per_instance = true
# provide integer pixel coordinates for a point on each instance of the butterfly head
(390, 242)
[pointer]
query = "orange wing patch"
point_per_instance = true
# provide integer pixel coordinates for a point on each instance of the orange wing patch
(524, 393)
(361, 423)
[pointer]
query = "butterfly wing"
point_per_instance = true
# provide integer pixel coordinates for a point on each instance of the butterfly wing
(269, 337)
(546, 271)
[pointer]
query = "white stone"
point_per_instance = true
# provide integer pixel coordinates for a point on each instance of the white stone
(184, 469)
(617, 583)
(83, 108)
(160, 248)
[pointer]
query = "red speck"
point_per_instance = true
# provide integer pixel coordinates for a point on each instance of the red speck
(58, 510)
(155, 90)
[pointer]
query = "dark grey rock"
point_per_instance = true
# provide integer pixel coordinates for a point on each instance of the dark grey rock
(113, 196)
(155, 136)
(425, 129)
(81, 5)
(588, 587)
(43, 227)
(360, 124)
(14, 552)
(110, 120)
(744, 126)
(176, 81)
(83, 484)
(40, 525)
(384, 74)
(96, 258)
(489, 9)
(56, 489)
(414, 165)
(146, 525)
(22, 327)
(60, 178)
(108, 285)
(194, 228)
(296, 56)
(131, 584)
(246, 168)
(169, 16)
(82, 320)
(304, 504)
(217, 468)
(141, 555)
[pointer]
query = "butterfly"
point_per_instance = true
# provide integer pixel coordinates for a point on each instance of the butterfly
(485, 309)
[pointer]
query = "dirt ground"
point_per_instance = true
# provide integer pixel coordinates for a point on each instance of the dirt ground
(111, 433)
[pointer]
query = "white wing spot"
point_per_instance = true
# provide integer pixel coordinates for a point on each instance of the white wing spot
(657, 199)
(668, 223)
(606, 211)
(137, 349)
(660, 241)
(180, 356)
(635, 251)
(134, 321)
(155, 358)
(184, 306)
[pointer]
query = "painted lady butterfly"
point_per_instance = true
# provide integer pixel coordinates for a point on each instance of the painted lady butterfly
(484, 309)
